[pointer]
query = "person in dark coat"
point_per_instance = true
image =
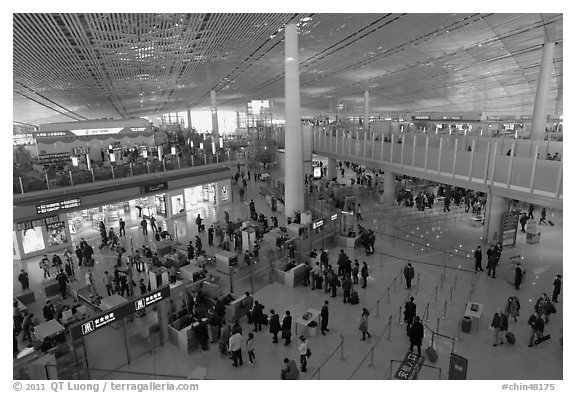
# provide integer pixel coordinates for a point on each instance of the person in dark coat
(62, 281)
(24, 280)
(347, 287)
(257, 315)
(478, 259)
(537, 324)
(523, 221)
(408, 275)
(364, 274)
(290, 370)
(557, 287)
(201, 333)
(274, 325)
(409, 313)
(492, 261)
(518, 276)
(48, 311)
(324, 318)
(416, 335)
(287, 328)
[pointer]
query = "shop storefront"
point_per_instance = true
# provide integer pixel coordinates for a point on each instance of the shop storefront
(213, 193)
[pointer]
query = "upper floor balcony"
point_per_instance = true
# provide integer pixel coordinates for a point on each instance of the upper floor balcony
(510, 167)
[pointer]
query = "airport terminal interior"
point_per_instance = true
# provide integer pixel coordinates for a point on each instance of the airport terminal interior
(288, 196)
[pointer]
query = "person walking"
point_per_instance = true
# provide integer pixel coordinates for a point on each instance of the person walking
(408, 275)
(557, 288)
(257, 315)
(153, 224)
(27, 326)
(537, 324)
(518, 276)
(492, 261)
(211, 236)
(478, 259)
(531, 211)
(523, 221)
(324, 318)
(287, 328)
(90, 281)
(107, 279)
(274, 325)
(409, 313)
(199, 223)
(24, 280)
(290, 370)
(364, 274)
(304, 352)
(317, 275)
(416, 334)
(543, 216)
(250, 348)
(122, 230)
(235, 348)
(364, 324)
(512, 308)
(144, 225)
(62, 279)
(358, 213)
(499, 326)
(142, 287)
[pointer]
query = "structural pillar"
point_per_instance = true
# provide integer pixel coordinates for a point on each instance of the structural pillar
(542, 91)
(331, 171)
(294, 171)
(495, 207)
(215, 132)
(189, 119)
(389, 194)
(366, 121)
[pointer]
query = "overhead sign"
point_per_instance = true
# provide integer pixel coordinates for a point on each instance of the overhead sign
(55, 206)
(509, 228)
(154, 187)
(409, 367)
(333, 217)
(36, 223)
(421, 117)
(119, 312)
(451, 117)
(97, 131)
(317, 224)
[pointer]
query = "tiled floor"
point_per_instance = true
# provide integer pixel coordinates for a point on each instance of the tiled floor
(444, 286)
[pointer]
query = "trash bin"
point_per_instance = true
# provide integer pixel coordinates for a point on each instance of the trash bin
(312, 329)
(466, 324)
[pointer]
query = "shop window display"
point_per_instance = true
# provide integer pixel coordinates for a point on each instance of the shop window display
(32, 240)
(56, 234)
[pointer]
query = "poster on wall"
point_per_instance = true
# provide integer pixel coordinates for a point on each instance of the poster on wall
(32, 240)
(56, 234)
(224, 193)
(160, 202)
(177, 204)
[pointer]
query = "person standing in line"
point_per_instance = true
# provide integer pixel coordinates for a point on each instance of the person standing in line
(408, 275)
(492, 261)
(250, 348)
(358, 213)
(478, 259)
(304, 352)
(324, 318)
(557, 288)
(137, 260)
(287, 328)
(499, 325)
(144, 225)
(364, 274)
(409, 313)
(24, 280)
(211, 236)
(543, 216)
(347, 288)
(79, 255)
(416, 335)
(27, 327)
(537, 324)
(274, 325)
(107, 279)
(290, 370)
(17, 317)
(257, 315)
(355, 271)
(48, 311)
(364, 324)
(317, 277)
(172, 274)
(518, 276)
(531, 211)
(122, 230)
(199, 223)
(235, 348)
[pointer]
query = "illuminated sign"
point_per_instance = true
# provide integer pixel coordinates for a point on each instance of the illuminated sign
(97, 131)
(421, 117)
(36, 223)
(138, 129)
(333, 217)
(55, 206)
(119, 312)
(154, 187)
(451, 117)
(317, 224)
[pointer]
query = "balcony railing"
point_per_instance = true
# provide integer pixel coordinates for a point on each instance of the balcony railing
(48, 180)
(503, 163)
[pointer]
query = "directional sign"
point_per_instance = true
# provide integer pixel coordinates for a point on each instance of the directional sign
(409, 367)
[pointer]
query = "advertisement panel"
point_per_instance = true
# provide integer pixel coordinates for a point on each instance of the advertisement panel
(32, 239)
(56, 233)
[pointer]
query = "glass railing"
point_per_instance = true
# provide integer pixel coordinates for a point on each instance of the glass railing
(476, 159)
(39, 181)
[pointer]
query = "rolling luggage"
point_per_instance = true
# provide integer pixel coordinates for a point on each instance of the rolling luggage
(354, 297)
(431, 354)
(466, 325)
(511, 338)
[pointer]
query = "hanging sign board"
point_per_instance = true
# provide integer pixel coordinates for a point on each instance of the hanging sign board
(55, 206)
(147, 188)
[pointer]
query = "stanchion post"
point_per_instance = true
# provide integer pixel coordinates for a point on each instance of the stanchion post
(388, 295)
(432, 343)
(418, 284)
(341, 347)
(459, 329)
(445, 304)
(378, 308)
(455, 281)
(371, 365)
(425, 317)
(451, 293)
(394, 284)
(452, 351)
(399, 315)
(438, 325)
(436, 294)
(389, 327)
(71, 180)
(21, 187)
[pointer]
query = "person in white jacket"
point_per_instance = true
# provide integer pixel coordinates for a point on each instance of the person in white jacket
(304, 351)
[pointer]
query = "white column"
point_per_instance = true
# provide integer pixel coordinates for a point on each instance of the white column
(389, 187)
(331, 172)
(542, 91)
(366, 122)
(495, 207)
(215, 132)
(189, 118)
(294, 171)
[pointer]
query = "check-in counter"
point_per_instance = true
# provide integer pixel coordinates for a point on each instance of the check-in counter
(237, 308)
(181, 334)
(225, 259)
(290, 276)
(345, 241)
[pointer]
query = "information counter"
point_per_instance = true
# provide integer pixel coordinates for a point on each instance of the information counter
(303, 321)
(474, 312)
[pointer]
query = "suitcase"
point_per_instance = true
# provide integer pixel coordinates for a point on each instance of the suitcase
(157, 237)
(354, 297)
(542, 339)
(90, 262)
(466, 325)
(431, 354)
(511, 338)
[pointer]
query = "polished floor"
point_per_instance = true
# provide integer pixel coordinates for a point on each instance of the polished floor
(439, 246)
